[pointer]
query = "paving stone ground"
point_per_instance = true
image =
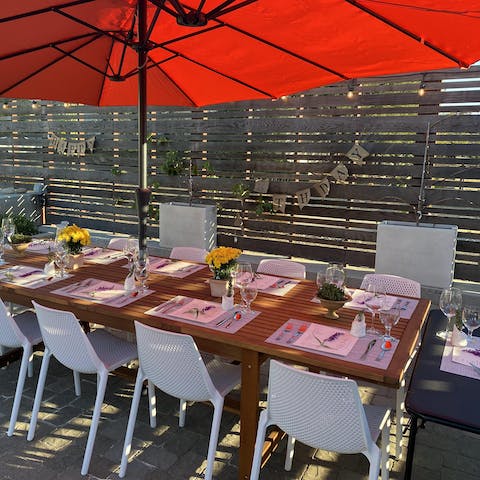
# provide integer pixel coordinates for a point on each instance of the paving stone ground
(170, 453)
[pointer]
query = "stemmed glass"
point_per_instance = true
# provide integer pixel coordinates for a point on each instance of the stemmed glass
(471, 320)
(249, 294)
(8, 227)
(335, 274)
(61, 255)
(243, 278)
(130, 250)
(450, 302)
(374, 301)
(389, 319)
(142, 272)
(320, 280)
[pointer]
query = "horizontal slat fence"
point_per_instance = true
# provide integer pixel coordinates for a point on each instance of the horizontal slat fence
(295, 140)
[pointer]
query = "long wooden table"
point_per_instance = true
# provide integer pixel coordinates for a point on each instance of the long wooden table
(248, 345)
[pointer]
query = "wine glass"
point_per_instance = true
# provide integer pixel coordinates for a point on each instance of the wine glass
(61, 255)
(243, 277)
(374, 301)
(320, 280)
(8, 227)
(2, 249)
(450, 302)
(130, 249)
(471, 320)
(335, 274)
(389, 319)
(249, 294)
(142, 272)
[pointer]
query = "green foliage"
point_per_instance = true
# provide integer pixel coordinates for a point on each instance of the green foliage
(263, 206)
(23, 224)
(173, 164)
(458, 319)
(17, 238)
(117, 171)
(240, 191)
(329, 291)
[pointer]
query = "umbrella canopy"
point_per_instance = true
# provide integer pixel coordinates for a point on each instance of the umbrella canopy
(199, 52)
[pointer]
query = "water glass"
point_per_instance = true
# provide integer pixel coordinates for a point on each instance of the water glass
(8, 227)
(2, 249)
(142, 272)
(335, 274)
(450, 302)
(61, 257)
(471, 320)
(244, 274)
(374, 301)
(249, 294)
(320, 280)
(130, 249)
(389, 319)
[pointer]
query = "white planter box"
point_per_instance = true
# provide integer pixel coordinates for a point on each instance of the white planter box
(423, 252)
(184, 225)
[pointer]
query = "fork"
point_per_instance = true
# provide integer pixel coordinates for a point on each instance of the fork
(475, 368)
(298, 333)
(287, 329)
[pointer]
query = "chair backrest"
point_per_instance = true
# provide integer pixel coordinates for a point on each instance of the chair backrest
(117, 243)
(393, 284)
(10, 335)
(320, 411)
(66, 340)
(189, 253)
(173, 363)
(286, 268)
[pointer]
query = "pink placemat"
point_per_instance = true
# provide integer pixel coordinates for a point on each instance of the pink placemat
(102, 291)
(458, 360)
(102, 256)
(272, 285)
(43, 247)
(293, 327)
(28, 277)
(322, 338)
(186, 309)
(174, 268)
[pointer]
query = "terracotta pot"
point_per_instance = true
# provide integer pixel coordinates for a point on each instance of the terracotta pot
(332, 306)
(218, 288)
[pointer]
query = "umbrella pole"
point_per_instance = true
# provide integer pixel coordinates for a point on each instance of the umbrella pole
(142, 193)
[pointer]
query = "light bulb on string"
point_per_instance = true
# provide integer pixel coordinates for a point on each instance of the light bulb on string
(35, 105)
(351, 89)
(421, 89)
(5, 105)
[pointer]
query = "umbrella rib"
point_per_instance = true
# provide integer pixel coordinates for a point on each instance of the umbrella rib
(406, 32)
(49, 64)
(283, 50)
(40, 11)
(220, 10)
(104, 77)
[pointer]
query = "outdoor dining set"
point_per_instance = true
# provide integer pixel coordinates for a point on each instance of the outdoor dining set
(102, 313)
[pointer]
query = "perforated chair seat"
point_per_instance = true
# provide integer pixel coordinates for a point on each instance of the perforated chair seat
(283, 267)
(393, 284)
(111, 350)
(28, 325)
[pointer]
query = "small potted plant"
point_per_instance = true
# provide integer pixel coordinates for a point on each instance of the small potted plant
(19, 242)
(222, 262)
(332, 298)
(75, 239)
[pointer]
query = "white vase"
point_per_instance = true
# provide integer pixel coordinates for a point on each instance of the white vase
(227, 302)
(129, 283)
(459, 338)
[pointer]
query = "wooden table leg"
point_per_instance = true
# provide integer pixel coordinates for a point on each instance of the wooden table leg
(249, 397)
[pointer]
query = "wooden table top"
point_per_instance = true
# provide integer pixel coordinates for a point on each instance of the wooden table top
(275, 311)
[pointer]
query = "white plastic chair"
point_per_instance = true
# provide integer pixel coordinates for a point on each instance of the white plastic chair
(393, 284)
(117, 243)
(172, 362)
(193, 254)
(285, 268)
(322, 412)
(17, 331)
(97, 352)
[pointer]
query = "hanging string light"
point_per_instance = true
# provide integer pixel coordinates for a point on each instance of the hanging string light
(421, 89)
(5, 105)
(351, 89)
(35, 105)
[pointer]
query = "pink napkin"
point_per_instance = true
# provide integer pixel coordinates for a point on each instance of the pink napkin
(41, 246)
(198, 311)
(334, 340)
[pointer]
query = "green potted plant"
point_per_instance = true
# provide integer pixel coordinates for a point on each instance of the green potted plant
(19, 242)
(332, 298)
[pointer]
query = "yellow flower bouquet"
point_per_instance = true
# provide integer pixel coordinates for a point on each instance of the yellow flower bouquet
(75, 238)
(222, 261)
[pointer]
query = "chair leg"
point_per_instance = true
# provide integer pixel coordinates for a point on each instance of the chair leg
(290, 452)
(152, 404)
(127, 446)
(374, 458)
(182, 412)
(212, 444)
(385, 450)
(101, 386)
(399, 409)
(76, 382)
(411, 447)
(27, 351)
(260, 440)
(39, 394)
(30, 365)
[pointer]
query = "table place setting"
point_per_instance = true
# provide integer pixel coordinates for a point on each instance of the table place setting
(29, 277)
(103, 292)
(208, 314)
(334, 342)
(464, 360)
(102, 256)
(273, 285)
(43, 247)
(174, 268)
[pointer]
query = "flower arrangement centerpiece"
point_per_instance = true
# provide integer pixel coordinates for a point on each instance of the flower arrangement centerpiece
(332, 298)
(75, 238)
(222, 262)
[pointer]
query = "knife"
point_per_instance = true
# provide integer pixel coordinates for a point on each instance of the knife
(475, 368)
(370, 345)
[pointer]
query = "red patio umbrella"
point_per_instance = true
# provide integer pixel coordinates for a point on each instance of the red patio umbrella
(198, 52)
